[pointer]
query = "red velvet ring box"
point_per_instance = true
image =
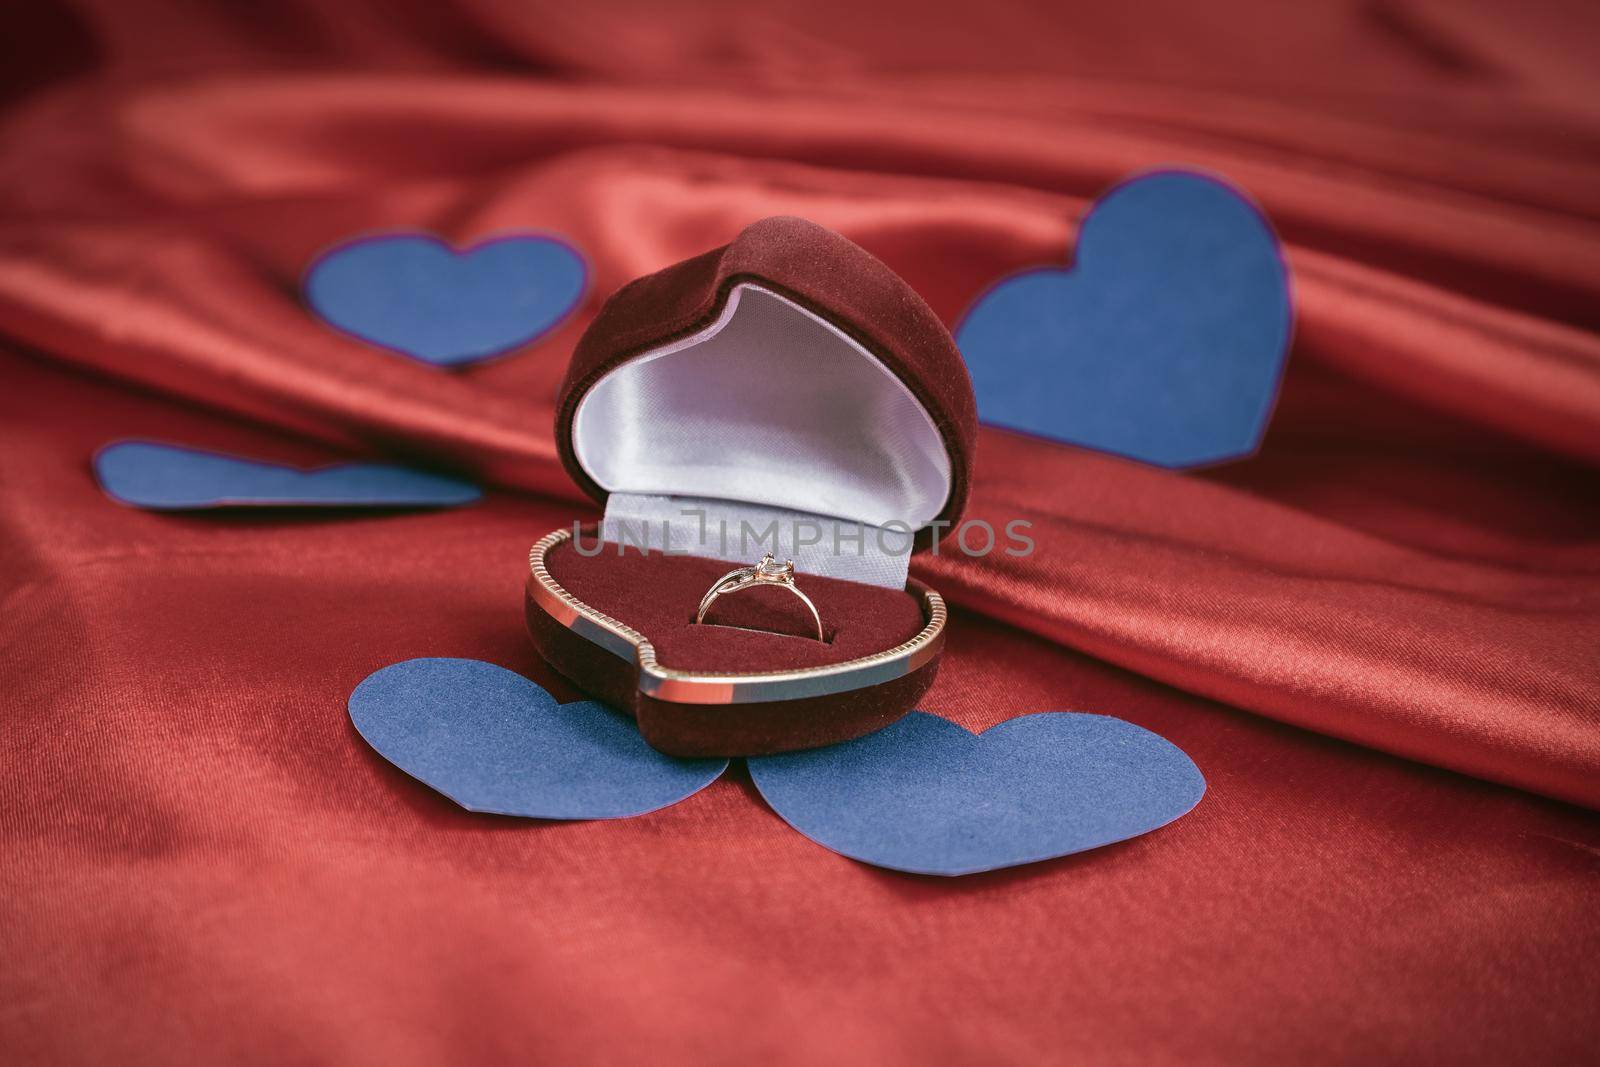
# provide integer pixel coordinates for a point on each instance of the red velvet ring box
(786, 393)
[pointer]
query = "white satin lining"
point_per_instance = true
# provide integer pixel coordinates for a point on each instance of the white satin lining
(742, 532)
(770, 405)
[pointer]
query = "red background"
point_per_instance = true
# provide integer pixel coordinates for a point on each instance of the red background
(1377, 638)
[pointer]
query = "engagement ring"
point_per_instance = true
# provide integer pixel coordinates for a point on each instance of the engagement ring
(766, 572)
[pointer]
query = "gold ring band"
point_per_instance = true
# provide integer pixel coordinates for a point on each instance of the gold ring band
(766, 572)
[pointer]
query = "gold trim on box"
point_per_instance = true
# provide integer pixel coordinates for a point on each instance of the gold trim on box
(714, 687)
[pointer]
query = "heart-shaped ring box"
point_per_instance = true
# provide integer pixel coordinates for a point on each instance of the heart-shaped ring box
(785, 393)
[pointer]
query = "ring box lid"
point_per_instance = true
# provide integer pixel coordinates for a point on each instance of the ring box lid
(788, 369)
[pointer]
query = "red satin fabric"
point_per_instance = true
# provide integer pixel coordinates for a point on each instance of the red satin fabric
(202, 861)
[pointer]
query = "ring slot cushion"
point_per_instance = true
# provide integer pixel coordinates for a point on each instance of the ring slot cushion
(787, 381)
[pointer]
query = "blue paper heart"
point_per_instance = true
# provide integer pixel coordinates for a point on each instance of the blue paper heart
(159, 477)
(414, 294)
(1164, 342)
(928, 797)
(493, 741)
